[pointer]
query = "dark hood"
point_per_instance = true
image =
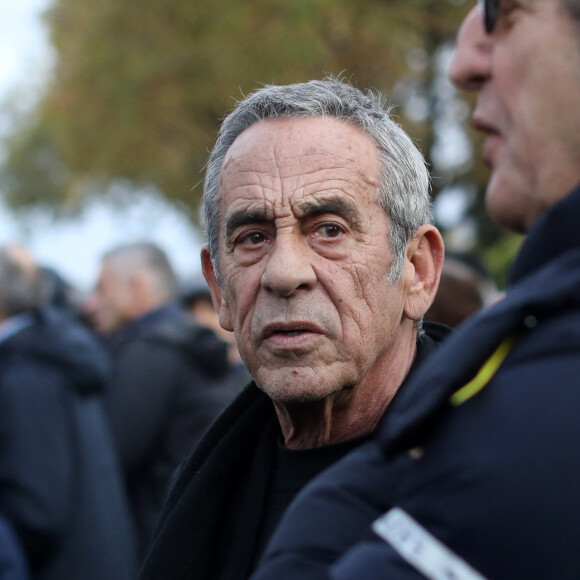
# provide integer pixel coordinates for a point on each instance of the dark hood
(551, 236)
(56, 339)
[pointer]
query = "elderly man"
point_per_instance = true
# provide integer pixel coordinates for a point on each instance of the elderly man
(322, 260)
(476, 471)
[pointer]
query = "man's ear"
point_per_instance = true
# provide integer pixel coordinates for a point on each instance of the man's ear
(220, 304)
(425, 252)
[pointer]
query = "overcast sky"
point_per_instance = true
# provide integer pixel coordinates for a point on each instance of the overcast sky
(22, 39)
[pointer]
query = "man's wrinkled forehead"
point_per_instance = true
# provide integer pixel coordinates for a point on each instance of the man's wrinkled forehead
(301, 144)
(310, 166)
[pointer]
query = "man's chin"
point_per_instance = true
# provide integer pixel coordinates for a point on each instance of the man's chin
(505, 202)
(299, 385)
(297, 399)
(292, 392)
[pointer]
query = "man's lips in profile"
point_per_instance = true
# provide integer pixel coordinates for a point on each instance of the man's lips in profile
(493, 140)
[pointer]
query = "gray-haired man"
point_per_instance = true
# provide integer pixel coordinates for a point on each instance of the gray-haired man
(322, 260)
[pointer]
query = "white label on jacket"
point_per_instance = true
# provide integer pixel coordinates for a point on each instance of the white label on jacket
(421, 549)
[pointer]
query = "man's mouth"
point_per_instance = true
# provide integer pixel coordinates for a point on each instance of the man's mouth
(493, 140)
(482, 124)
(290, 329)
(291, 332)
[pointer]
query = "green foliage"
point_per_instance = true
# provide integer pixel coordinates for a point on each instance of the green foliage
(140, 87)
(35, 167)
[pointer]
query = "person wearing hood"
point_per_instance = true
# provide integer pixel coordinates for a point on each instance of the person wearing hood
(60, 485)
(170, 377)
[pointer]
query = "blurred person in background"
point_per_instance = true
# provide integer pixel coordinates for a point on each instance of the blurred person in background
(196, 299)
(170, 375)
(60, 485)
(60, 293)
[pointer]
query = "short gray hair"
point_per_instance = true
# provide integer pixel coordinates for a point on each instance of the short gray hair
(148, 258)
(404, 179)
(21, 282)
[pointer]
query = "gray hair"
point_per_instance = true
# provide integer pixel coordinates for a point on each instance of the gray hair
(404, 179)
(148, 258)
(21, 282)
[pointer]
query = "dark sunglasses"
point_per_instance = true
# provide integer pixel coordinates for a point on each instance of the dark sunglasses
(490, 9)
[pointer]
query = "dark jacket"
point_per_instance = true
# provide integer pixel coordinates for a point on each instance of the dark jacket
(212, 517)
(60, 486)
(171, 379)
(486, 476)
(13, 564)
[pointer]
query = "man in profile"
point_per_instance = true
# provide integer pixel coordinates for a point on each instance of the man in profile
(475, 473)
(322, 260)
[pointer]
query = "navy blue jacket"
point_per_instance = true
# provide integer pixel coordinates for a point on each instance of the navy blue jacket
(60, 484)
(12, 559)
(479, 452)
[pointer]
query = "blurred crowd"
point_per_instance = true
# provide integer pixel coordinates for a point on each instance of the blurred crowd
(101, 398)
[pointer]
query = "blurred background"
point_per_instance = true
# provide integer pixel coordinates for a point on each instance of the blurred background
(108, 110)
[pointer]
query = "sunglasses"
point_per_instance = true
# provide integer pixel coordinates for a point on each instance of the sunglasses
(490, 9)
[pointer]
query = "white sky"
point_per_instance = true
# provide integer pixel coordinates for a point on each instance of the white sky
(22, 39)
(74, 247)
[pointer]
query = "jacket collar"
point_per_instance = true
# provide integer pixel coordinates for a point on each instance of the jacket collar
(553, 234)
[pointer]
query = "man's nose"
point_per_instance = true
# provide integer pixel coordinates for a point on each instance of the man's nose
(289, 266)
(471, 63)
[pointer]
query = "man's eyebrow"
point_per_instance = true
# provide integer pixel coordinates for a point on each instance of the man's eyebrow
(242, 218)
(309, 208)
(336, 205)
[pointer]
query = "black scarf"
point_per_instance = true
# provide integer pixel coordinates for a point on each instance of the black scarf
(211, 518)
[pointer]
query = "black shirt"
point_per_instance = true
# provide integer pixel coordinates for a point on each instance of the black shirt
(294, 468)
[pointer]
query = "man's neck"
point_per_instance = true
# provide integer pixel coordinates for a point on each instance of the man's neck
(349, 413)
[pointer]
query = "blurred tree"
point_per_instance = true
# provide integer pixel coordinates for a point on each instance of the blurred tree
(139, 87)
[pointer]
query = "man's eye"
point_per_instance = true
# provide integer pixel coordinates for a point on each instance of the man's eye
(253, 239)
(329, 231)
